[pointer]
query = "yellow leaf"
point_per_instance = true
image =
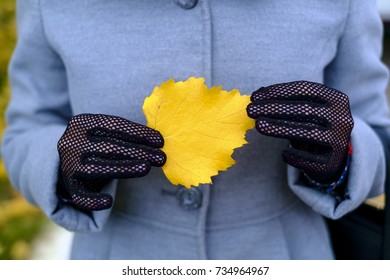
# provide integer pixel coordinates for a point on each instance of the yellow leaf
(201, 127)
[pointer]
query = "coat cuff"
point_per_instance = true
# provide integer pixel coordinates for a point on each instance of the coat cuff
(41, 188)
(365, 179)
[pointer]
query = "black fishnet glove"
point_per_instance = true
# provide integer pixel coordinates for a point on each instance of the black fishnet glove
(315, 118)
(97, 148)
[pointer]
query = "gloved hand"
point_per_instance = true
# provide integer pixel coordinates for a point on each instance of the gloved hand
(97, 148)
(315, 119)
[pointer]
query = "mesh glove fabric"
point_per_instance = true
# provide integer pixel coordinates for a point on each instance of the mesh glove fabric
(315, 119)
(97, 148)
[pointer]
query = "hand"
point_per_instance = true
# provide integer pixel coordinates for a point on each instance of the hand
(316, 119)
(97, 148)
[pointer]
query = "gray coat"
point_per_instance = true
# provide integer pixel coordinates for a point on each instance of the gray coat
(97, 56)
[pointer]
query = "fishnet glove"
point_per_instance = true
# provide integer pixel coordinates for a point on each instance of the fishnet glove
(315, 118)
(97, 148)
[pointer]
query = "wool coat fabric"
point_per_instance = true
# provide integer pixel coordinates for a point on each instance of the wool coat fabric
(96, 56)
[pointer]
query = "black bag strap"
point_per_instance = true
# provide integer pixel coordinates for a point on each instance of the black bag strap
(386, 227)
(385, 138)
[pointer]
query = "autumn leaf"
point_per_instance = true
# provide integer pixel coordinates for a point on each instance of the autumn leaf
(201, 128)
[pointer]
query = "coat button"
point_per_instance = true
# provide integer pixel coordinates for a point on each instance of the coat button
(189, 199)
(186, 4)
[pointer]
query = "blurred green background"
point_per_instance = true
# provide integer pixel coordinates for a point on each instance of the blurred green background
(20, 222)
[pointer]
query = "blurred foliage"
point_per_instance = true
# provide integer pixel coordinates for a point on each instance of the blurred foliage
(19, 221)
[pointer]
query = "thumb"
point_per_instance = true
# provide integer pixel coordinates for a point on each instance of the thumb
(91, 201)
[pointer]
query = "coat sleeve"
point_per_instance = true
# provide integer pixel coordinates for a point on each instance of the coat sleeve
(357, 71)
(37, 116)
